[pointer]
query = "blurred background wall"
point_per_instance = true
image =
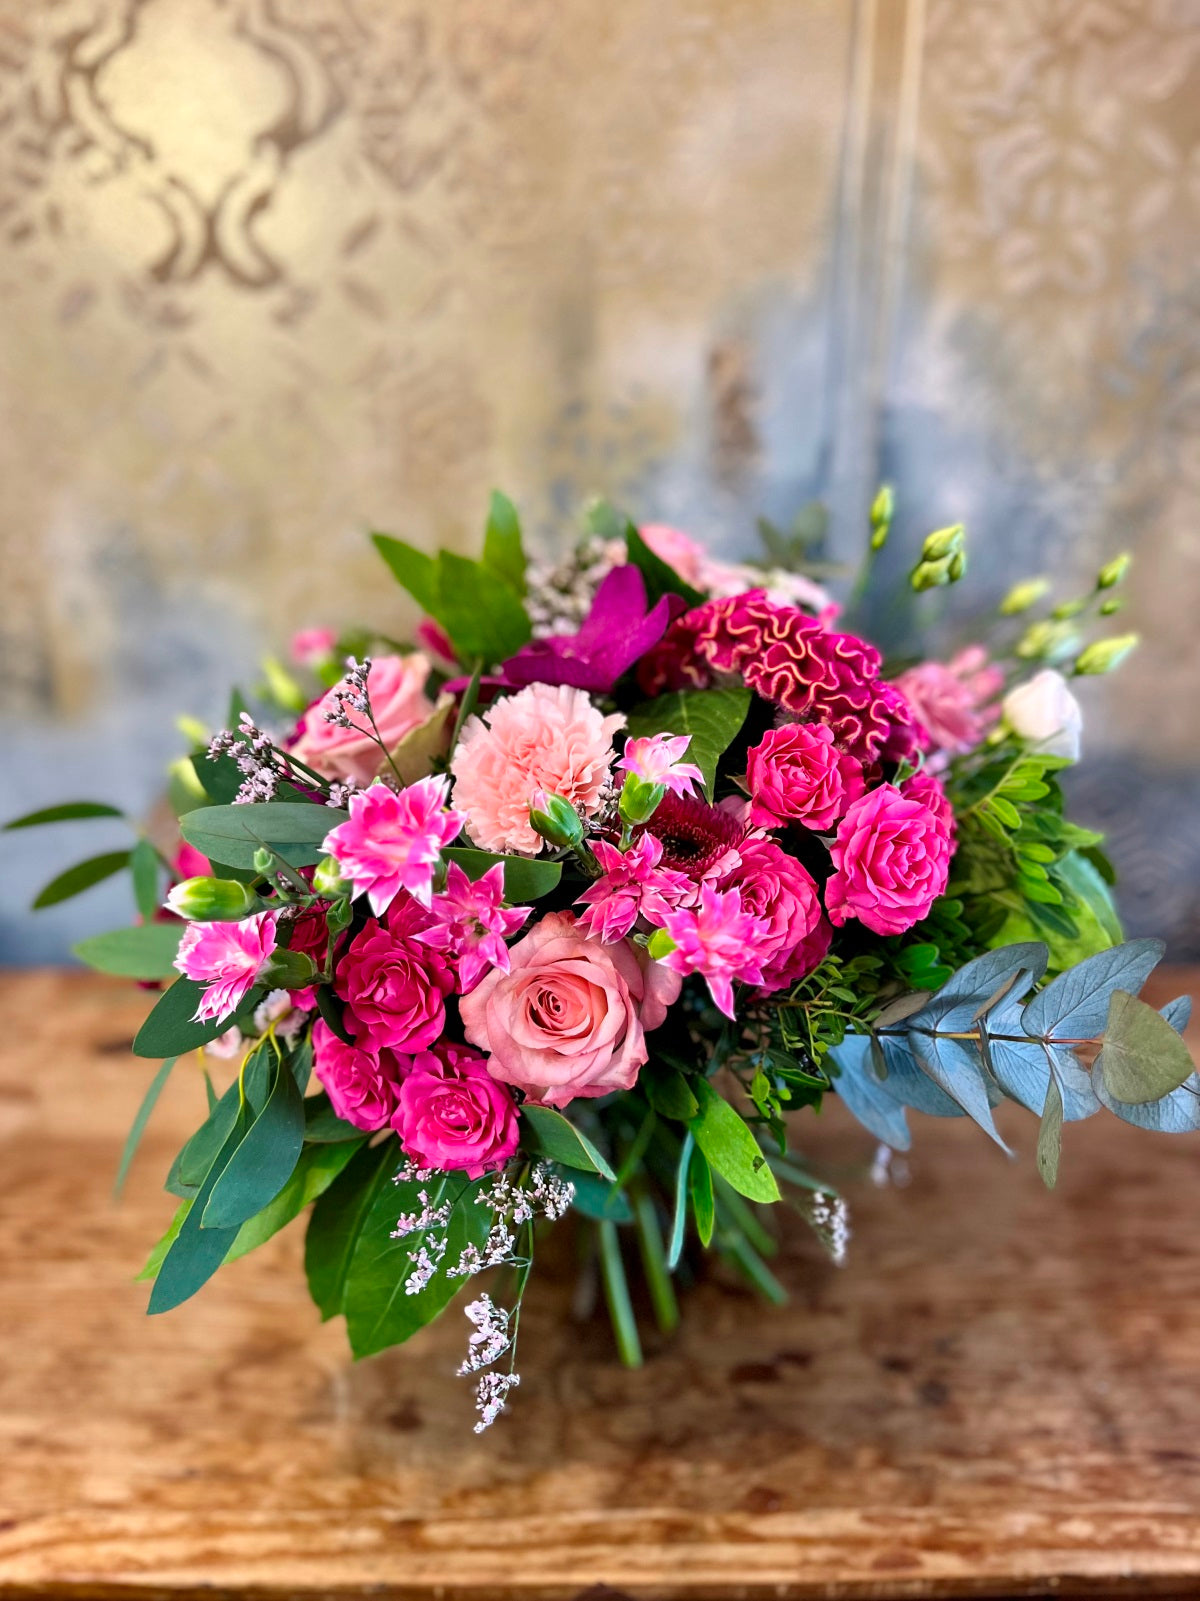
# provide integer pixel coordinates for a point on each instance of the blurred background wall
(277, 271)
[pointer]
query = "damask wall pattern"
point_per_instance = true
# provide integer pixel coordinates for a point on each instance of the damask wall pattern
(273, 272)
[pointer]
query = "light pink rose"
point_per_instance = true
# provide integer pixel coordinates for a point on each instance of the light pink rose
(570, 1018)
(311, 646)
(396, 685)
(452, 1115)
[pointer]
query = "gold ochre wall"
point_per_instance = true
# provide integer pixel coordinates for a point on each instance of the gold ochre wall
(274, 273)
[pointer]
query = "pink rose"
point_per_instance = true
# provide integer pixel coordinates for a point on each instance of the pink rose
(923, 786)
(393, 984)
(396, 686)
(891, 861)
(570, 1018)
(948, 699)
(775, 888)
(797, 772)
(451, 1114)
(362, 1086)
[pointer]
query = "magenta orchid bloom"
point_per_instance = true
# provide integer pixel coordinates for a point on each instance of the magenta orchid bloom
(634, 885)
(655, 757)
(229, 958)
(614, 634)
(471, 923)
(391, 841)
(719, 939)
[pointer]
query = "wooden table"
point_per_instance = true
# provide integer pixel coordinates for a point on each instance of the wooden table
(998, 1395)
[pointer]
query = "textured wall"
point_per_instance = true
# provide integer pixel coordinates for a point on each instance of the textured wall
(271, 274)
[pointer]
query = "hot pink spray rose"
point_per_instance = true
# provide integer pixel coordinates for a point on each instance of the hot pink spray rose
(546, 737)
(362, 1086)
(452, 1115)
(949, 700)
(571, 1017)
(891, 861)
(229, 958)
(393, 984)
(775, 888)
(396, 685)
(796, 772)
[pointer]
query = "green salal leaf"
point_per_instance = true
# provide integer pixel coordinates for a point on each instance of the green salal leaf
(666, 1088)
(80, 877)
(318, 1167)
(232, 834)
(502, 549)
(264, 1160)
(525, 878)
(378, 1310)
(146, 953)
(713, 718)
(171, 1029)
(1075, 1005)
(729, 1146)
(864, 1096)
(337, 1219)
(551, 1134)
(68, 812)
(1142, 1058)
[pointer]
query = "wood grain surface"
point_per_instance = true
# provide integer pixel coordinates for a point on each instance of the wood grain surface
(998, 1395)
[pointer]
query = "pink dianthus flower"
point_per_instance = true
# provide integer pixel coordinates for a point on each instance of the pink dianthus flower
(470, 922)
(391, 842)
(634, 885)
(719, 939)
(229, 958)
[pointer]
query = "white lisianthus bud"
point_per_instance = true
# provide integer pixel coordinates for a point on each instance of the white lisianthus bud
(1044, 712)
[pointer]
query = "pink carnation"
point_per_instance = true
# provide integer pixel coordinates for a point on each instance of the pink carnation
(392, 842)
(547, 737)
(453, 1116)
(393, 984)
(470, 921)
(949, 701)
(891, 861)
(571, 1017)
(797, 773)
(775, 888)
(634, 885)
(362, 1085)
(719, 939)
(229, 958)
(396, 685)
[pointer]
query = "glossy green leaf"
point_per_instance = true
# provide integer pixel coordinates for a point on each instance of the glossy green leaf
(524, 879)
(232, 834)
(144, 865)
(413, 569)
(595, 1197)
(80, 877)
(147, 952)
(700, 1193)
(661, 579)
(554, 1136)
(713, 718)
(134, 1138)
(200, 1151)
(322, 1125)
(336, 1219)
(195, 1254)
(68, 812)
(502, 550)
(170, 1029)
(483, 617)
(666, 1088)
(265, 1159)
(318, 1167)
(730, 1147)
(679, 1215)
(1142, 1057)
(162, 1245)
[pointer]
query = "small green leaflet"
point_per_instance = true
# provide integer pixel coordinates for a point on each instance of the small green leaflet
(316, 1170)
(728, 1144)
(713, 718)
(68, 812)
(1142, 1057)
(264, 1160)
(561, 1141)
(147, 952)
(700, 1191)
(524, 880)
(80, 877)
(134, 1138)
(232, 834)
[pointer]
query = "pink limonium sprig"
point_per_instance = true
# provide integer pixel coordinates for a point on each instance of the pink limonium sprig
(717, 938)
(471, 923)
(391, 841)
(655, 758)
(229, 958)
(634, 885)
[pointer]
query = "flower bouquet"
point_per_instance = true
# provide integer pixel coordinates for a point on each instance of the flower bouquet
(576, 905)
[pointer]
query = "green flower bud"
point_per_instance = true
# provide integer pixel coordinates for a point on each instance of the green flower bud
(282, 687)
(327, 878)
(1113, 571)
(1047, 641)
(1110, 607)
(883, 509)
(289, 970)
(264, 860)
(957, 566)
(660, 944)
(1067, 609)
(943, 542)
(1023, 595)
(929, 575)
(1102, 655)
(555, 819)
(211, 900)
(639, 800)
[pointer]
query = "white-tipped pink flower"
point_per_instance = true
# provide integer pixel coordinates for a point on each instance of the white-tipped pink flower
(656, 759)
(229, 958)
(720, 939)
(391, 841)
(471, 923)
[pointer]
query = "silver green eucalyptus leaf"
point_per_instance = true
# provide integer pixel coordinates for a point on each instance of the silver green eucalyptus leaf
(1075, 1005)
(869, 1100)
(1142, 1058)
